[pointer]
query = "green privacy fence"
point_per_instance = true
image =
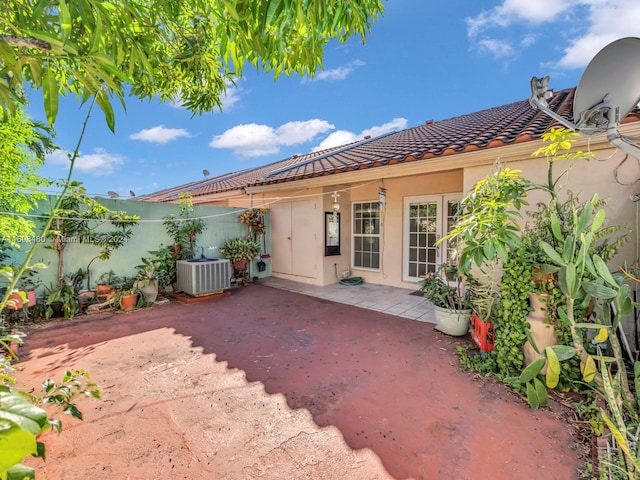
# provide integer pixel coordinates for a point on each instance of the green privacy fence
(221, 224)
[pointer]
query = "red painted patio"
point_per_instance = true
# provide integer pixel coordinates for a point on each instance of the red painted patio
(389, 384)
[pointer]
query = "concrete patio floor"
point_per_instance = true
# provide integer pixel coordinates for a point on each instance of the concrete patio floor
(269, 383)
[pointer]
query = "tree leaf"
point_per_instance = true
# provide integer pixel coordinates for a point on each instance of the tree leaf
(532, 370)
(553, 362)
(588, 369)
(563, 352)
(65, 20)
(599, 291)
(551, 253)
(103, 101)
(541, 390)
(602, 336)
(532, 396)
(555, 228)
(603, 271)
(552, 378)
(50, 94)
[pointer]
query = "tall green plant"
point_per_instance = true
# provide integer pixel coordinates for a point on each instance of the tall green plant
(486, 228)
(23, 146)
(184, 228)
(81, 220)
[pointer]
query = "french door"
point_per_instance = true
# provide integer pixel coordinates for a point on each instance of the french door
(427, 219)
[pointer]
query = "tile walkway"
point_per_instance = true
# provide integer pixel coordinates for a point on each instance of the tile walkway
(381, 298)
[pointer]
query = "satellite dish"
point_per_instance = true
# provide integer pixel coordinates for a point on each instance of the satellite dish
(608, 90)
(113, 194)
(205, 172)
(132, 193)
(611, 80)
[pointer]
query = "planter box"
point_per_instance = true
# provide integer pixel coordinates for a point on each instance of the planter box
(483, 334)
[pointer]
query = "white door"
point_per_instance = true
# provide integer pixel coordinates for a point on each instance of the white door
(294, 239)
(426, 220)
(281, 238)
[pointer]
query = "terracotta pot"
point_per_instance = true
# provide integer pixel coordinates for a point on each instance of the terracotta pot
(128, 302)
(104, 289)
(15, 301)
(31, 298)
(542, 332)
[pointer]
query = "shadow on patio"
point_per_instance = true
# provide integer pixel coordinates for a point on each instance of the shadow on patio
(387, 383)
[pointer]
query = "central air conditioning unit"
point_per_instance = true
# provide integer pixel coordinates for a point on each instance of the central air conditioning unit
(201, 277)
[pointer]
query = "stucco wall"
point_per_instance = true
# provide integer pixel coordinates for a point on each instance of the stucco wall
(221, 225)
(392, 218)
(585, 178)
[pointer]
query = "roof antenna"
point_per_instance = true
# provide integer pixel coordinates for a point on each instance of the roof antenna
(113, 194)
(205, 172)
(608, 90)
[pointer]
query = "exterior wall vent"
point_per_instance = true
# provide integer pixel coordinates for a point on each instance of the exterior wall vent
(203, 277)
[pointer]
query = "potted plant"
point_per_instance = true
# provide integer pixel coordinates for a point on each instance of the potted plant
(147, 281)
(486, 229)
(450, 303)
(164, 262)
(64, 301)
(107, 282)
(240, 251)
(184, 228)
(128, 296)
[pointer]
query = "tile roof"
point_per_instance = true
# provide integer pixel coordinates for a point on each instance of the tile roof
(494, 127)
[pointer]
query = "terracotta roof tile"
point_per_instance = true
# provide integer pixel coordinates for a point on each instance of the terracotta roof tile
(513, 123)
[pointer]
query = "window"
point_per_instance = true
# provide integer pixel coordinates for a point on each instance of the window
(427, 218)
(366, 235)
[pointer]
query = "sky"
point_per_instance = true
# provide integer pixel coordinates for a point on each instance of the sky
(423, 60)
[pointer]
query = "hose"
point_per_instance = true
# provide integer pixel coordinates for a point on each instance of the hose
(347, 281)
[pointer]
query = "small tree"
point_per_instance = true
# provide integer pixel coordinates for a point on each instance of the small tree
(81, 219)
(184, 228)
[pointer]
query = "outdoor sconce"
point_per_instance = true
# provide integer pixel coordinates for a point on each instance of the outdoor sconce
(336, 205)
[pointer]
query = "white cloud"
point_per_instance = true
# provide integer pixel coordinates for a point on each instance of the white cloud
(98, 163)
(230, 97)
(337, 138)
(339, 73)
(607, 21)
(159, 134)
(393, 125)
(254, 140)
(585, 25)
(497, 48)
(528, 40)
(511, 11)
(343, 137)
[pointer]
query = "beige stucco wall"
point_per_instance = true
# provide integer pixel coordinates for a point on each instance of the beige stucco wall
(584, 179)
(392, 218)
(433, 177)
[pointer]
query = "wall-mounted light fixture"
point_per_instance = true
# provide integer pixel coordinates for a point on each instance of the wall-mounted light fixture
(336, 205)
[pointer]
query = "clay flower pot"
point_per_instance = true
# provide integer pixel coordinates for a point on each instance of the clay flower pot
(128, 302)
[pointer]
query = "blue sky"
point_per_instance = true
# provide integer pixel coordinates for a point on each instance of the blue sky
(423, 60)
